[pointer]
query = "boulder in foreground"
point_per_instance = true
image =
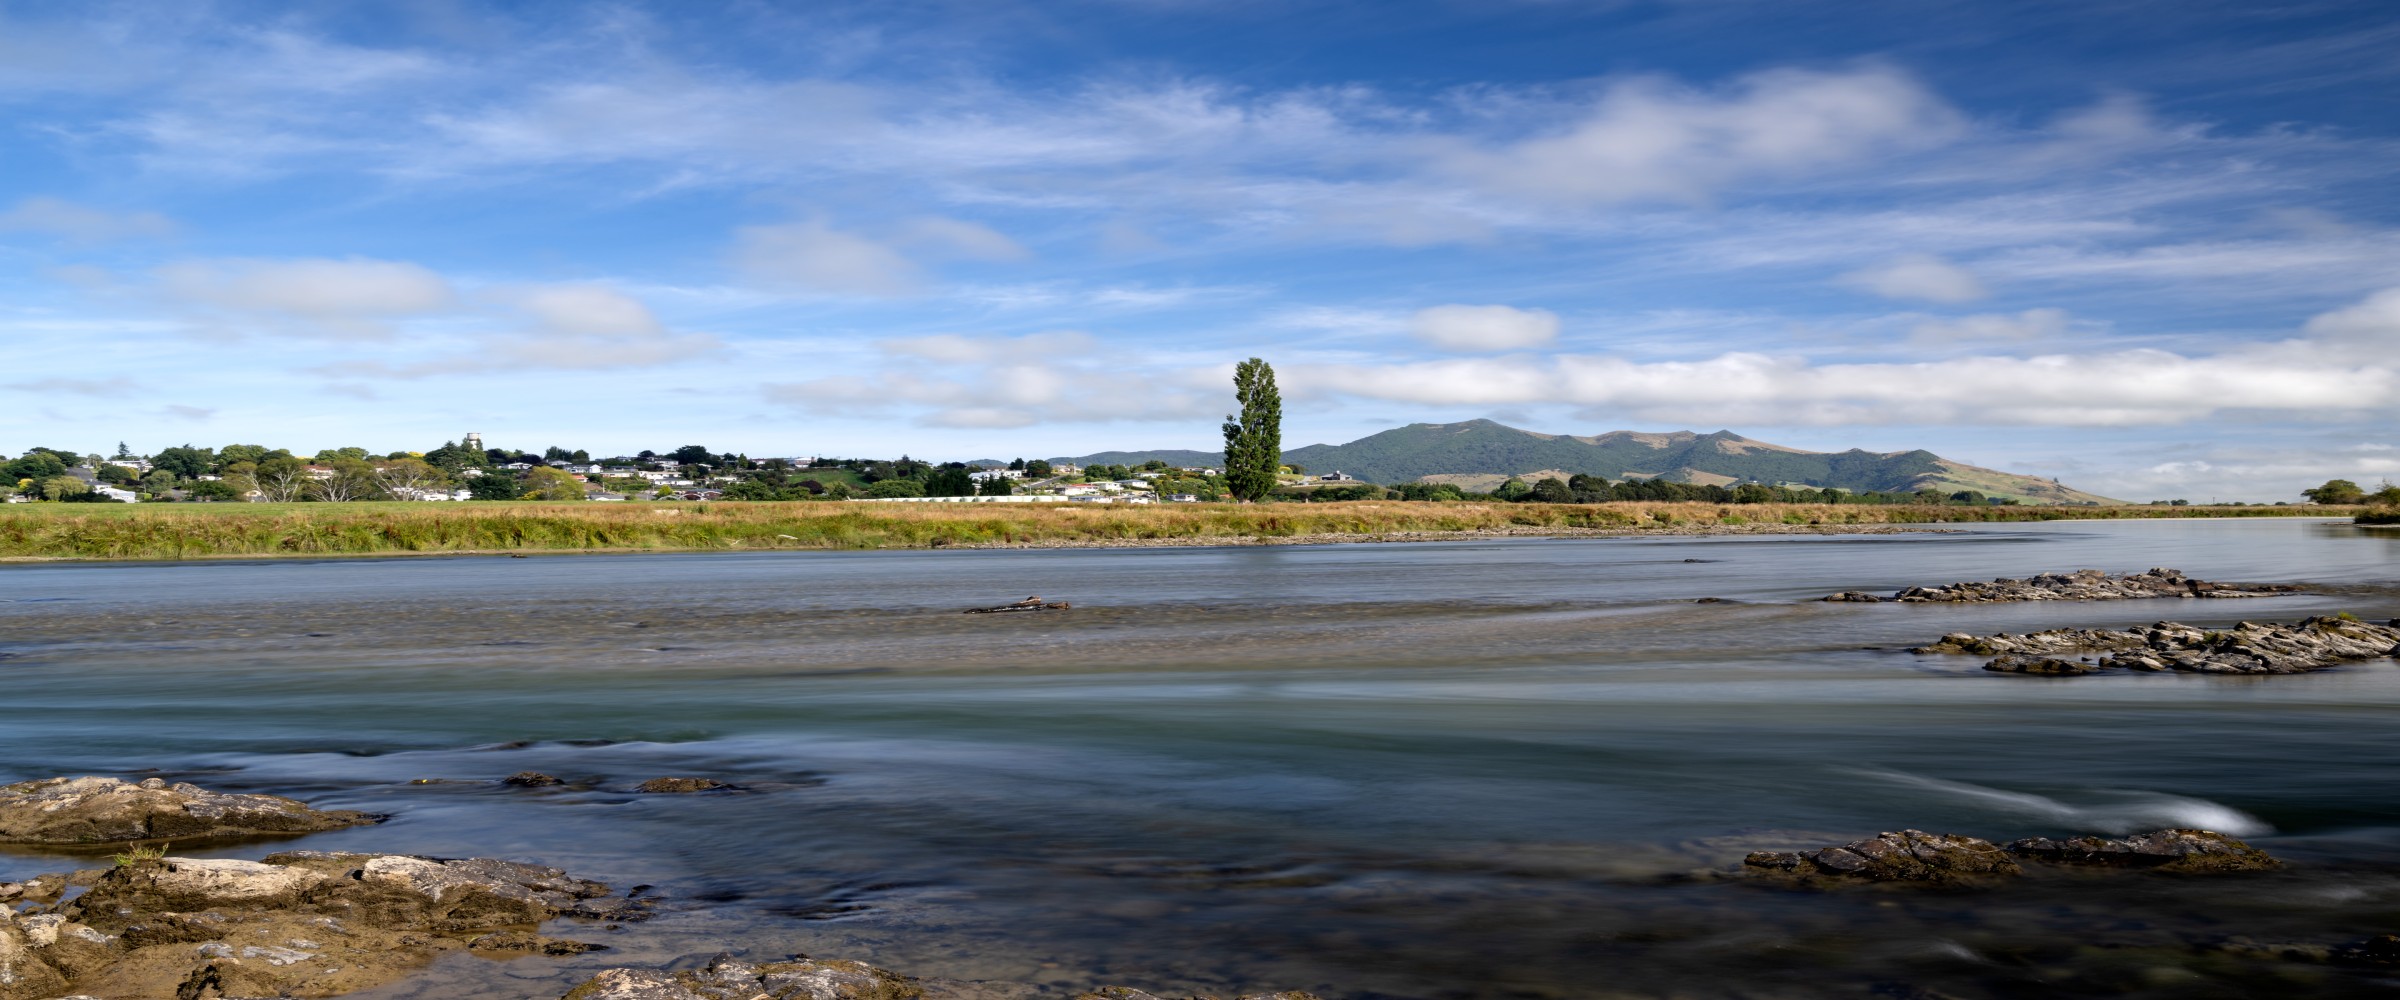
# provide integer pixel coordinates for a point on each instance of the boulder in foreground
(2194, 851)
(95, 810)
(298, 924)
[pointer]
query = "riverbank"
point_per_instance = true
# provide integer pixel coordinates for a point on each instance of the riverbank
(249, 531)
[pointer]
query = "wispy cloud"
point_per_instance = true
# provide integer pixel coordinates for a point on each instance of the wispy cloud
(83, 224)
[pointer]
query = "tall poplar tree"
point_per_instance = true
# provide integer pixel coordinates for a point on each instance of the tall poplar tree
(1254, 440)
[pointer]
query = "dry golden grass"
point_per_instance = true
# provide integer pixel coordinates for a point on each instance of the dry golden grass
(195, 531)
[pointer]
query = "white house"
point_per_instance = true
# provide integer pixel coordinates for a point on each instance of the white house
(120, 496)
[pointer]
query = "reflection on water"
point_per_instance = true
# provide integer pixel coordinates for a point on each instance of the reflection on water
(1441, 770)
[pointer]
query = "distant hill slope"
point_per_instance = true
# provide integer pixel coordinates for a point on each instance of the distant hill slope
(1480, 448)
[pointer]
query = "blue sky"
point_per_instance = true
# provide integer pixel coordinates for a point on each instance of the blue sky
(2150, 248)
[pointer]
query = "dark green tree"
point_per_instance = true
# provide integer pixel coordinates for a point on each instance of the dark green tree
(2336, 491)
(495, 486)
(949, 483)
(1254, 439)
(1552, 490)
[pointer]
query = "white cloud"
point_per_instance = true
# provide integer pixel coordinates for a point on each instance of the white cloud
(83, 224)
(2128, 388)
(957, 349)
(592, 327)
(346, 298)
(113, 386)
(963, 239)
(1484, 328)
(961, 381)
(813, 257)
(1649, 139)
(587, 310)
(2372, 323)
(1917, 276)
(2032, 324)
(2249, 472)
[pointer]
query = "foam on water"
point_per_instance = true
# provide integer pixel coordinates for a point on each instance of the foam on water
(2118, 811)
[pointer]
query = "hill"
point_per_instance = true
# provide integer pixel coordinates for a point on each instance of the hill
(1475, 450)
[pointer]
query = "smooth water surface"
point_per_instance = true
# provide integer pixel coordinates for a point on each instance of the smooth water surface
(1514, 768)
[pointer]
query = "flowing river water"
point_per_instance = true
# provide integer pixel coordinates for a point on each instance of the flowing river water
(1519, 768)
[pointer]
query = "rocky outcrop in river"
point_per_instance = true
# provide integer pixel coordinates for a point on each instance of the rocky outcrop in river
(1914, 856)
(297, 924)
(1906, 856)
(2245, 648)
(2081, 585)
(94, 810)
(2191, 851)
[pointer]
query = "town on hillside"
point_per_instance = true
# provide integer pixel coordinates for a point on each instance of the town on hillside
(468, 470)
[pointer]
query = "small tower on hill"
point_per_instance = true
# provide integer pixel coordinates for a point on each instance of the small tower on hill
(474, 442)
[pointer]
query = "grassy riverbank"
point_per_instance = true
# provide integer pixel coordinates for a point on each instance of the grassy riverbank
(200, 531)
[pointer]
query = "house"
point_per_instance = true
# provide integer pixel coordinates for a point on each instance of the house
(113, 493)
(604, 496)
(319, 472)
(986, 475)
(1336, 476)
(1183, 498)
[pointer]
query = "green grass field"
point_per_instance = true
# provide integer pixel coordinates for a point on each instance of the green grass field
(200, 531)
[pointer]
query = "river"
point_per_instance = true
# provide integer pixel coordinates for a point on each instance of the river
(1464, 769)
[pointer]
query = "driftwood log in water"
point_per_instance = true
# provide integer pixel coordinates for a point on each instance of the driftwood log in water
(1028, 604)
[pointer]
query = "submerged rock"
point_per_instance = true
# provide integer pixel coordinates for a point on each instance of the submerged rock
(95, 810)
(2081, 585)
(2195, 851)
(1905, 856)
(301, 923)
(678, 786)
(728, 978)
(2246, 648)
(531, 779)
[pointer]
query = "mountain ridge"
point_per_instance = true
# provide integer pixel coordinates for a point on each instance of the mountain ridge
(1474, 449)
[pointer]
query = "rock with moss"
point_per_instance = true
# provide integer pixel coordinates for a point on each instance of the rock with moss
(98, 810)
(729, 978)
(2189, 851)
(297, 924)
(1907, 856)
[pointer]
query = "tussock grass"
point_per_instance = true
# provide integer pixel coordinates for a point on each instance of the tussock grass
(198, 531)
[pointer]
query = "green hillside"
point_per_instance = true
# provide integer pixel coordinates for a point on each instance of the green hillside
(1482, 447)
